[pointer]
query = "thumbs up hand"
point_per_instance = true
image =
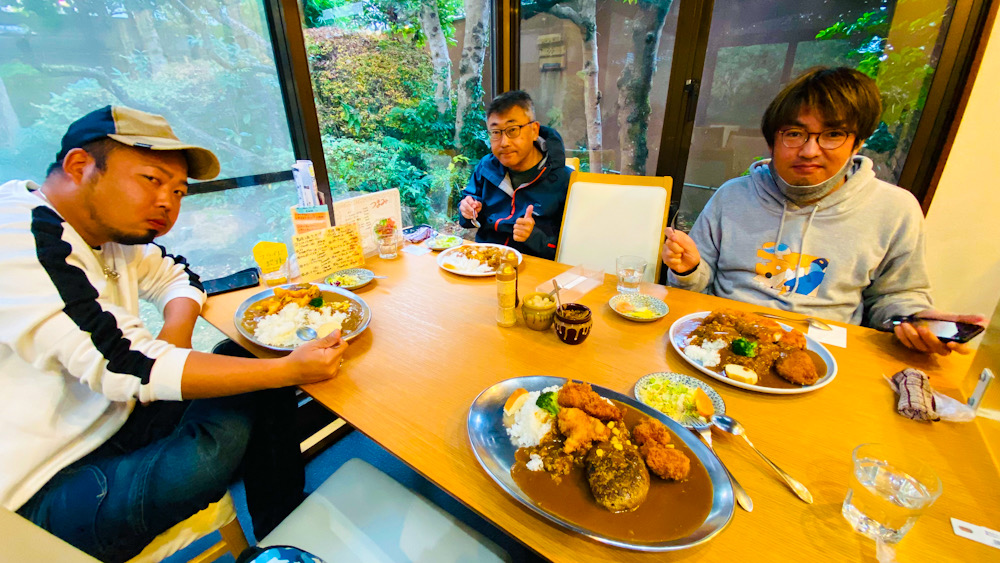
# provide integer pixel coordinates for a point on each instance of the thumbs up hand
(524, 225)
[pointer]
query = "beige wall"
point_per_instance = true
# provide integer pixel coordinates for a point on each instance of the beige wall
(963, 223)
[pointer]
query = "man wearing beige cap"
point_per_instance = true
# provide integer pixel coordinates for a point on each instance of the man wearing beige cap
(109, 435)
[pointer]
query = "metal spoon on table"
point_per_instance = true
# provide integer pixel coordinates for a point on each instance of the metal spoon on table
(811, 321)
(742, 498)
(732, 426)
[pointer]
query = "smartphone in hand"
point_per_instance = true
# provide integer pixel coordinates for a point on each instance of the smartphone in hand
(946, 331)
(240, 280)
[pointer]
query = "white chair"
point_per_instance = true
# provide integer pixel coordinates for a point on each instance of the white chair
(361, 514)
(610, 215)
(219, 516)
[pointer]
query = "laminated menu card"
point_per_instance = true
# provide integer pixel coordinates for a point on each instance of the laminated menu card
(325, 251)
(365, 211)
(312, 218)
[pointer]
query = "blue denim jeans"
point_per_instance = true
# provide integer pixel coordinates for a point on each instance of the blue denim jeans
(170, 460)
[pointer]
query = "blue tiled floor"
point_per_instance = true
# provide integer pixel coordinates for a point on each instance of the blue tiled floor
(357, 445)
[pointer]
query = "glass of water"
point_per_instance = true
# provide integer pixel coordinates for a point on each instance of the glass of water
(630, 270)
(888, 492)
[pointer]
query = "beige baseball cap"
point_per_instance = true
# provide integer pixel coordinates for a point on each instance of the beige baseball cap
(137, 129)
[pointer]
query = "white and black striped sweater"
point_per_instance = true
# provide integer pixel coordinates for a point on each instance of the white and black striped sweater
(74, 356)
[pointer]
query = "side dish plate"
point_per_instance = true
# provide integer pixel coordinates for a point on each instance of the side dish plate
(495, 453)
(366, 313)
(636, 301)
(364, 276)
(677, 341)
(691, 382)
(443, 259)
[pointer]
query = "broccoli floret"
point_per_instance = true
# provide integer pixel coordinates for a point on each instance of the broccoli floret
(547, 402)
(316, 302)
(743, 347)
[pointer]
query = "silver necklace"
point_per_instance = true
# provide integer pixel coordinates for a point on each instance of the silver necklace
(109, 273)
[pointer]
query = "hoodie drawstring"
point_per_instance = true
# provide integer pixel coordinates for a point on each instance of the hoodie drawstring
(802, 243)
(802, 247)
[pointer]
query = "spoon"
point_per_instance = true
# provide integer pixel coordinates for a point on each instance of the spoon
(558, 288)
(814, 322)
(306, 333)
(474, 222)
(732, 426)
(742, 498)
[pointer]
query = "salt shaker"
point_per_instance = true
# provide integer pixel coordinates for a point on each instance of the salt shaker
(506, 295)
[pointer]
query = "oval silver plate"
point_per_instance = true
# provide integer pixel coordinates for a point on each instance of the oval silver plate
(495, 453)
(819, 349)
(366, 313)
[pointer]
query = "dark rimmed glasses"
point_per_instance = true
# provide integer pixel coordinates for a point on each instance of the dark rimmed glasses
(512, 132)
(795, 137)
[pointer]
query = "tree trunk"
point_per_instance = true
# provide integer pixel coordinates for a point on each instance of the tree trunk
(430, 22)
(9, 125)
(470, 70)
(635, 82)
(583, 13)
(150, 40)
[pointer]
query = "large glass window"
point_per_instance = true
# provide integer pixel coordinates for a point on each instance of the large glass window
(757, 46)
(399, 92)
(207, 66)
(598, 72)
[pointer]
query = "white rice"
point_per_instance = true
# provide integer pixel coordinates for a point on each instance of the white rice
(461, 263)
(707, 354)
(535, 463)
(279, 329)
(531, 423)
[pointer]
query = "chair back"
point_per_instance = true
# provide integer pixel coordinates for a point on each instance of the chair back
(609, 215)
(573, 162)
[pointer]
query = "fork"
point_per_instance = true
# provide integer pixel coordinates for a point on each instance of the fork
(812, 322)
(742, 498)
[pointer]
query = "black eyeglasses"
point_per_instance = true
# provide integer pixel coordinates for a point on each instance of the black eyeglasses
(796, 137)
(512, 132)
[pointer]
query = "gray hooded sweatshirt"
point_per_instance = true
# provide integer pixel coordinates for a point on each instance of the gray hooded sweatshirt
(855, 256)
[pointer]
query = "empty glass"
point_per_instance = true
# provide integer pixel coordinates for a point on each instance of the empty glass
(630, 270)
(888, 492)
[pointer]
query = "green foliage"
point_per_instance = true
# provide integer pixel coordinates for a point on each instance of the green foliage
(360, 79)
(902, 72)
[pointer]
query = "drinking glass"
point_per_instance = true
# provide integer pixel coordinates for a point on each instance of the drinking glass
(888, 492)
(630, 270)
(387, 244)
(277, 277)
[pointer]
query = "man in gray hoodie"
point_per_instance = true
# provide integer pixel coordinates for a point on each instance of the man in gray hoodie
(812, 230)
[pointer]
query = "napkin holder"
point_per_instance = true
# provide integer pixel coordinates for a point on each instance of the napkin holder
(575, 282)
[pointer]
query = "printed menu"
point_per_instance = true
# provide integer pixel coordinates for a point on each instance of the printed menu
(322, 252)
(305, 219)
(365, 211)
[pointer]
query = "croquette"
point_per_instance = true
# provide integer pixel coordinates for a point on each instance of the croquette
(666, 462)
(797, 367)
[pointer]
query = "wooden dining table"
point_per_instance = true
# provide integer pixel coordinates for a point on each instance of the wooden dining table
(433, 345)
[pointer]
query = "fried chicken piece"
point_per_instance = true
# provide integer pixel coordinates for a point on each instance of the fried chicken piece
(797, 367)
(651, 431)
(580, 429)
(666, 461)
(583, 397)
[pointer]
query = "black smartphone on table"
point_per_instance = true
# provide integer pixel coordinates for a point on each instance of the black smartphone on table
(946, 331)
(240, 280)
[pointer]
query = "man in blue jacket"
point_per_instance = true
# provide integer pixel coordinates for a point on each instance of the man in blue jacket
(517, 193)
